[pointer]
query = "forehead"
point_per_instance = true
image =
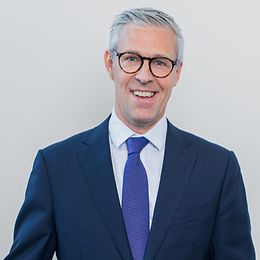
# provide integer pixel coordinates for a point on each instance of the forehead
(147, 40)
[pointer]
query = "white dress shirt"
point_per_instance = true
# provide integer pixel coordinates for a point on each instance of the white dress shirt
(152, 155)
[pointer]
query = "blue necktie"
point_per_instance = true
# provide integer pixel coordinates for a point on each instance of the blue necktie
(135, 198)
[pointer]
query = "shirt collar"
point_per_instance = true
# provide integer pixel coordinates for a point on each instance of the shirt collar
(119, 132)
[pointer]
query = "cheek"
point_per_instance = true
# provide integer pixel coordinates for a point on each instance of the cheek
(166, 95)
(121, 89)
(122, 81)
(167, 86)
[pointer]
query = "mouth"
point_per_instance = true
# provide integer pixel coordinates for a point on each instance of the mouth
(143, 94)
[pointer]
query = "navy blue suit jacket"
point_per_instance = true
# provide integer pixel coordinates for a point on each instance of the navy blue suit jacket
(71, 204)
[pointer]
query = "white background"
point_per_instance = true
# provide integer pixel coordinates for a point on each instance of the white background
(53, 83)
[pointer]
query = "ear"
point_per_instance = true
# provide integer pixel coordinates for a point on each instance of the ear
(177, 74)
(178, 71)
(109, 63)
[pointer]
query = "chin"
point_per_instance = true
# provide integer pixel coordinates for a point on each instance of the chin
(145, 122)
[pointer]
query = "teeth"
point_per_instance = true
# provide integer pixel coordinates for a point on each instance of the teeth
(143, 93)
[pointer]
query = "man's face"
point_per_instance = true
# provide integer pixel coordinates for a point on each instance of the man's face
(137, 112)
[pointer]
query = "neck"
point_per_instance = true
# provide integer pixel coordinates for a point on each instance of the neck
(138, 127)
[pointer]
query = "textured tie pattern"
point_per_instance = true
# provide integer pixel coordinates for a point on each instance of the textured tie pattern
(135, 198)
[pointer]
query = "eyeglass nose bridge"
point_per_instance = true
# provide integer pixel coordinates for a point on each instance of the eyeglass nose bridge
(149, 63)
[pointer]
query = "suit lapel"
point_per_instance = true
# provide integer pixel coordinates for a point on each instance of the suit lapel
(177, 166)
(97, 167)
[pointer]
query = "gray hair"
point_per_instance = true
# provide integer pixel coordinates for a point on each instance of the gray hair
(145, 16)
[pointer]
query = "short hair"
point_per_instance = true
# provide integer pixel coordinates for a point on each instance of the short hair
(145, 16)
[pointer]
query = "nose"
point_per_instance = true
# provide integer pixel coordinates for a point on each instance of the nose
(144, 75)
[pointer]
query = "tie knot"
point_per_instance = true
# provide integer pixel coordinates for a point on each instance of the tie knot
(136, 144)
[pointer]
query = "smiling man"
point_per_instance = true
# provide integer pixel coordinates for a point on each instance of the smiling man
(136, 187)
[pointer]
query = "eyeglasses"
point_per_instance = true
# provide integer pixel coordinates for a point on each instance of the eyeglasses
(131, 62)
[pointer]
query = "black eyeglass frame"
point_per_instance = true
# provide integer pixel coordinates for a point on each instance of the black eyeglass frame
(119, 55)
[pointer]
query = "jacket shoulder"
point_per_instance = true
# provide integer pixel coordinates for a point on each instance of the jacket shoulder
(200, 144)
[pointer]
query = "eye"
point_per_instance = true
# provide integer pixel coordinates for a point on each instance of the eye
(159, 63)
(132, 58)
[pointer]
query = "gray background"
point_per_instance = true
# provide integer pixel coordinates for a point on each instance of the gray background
(53, 83)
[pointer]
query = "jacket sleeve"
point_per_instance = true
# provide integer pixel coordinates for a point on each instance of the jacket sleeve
(34, 233)
(232, 234)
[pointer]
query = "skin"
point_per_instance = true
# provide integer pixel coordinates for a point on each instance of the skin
(138, 113)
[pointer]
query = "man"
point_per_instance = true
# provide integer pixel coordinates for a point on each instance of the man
(136, 187)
